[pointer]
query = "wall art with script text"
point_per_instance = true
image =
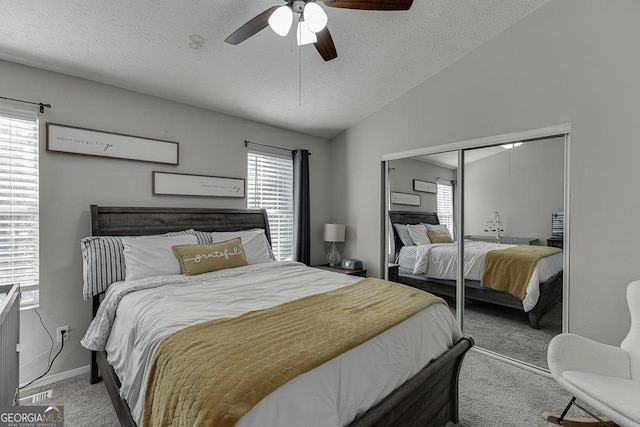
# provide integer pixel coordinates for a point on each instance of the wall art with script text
(89, 142)
(180, 184)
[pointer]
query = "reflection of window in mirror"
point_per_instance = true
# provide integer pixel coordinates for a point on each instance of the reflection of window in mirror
(445, 205)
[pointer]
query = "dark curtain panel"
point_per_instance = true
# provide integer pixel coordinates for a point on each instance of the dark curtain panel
(454, 199)
(301, 198)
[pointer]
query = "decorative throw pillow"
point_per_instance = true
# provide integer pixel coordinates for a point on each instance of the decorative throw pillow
(149, 256)
(418, 233)
(403, 234)
(198, 259)
(439, 234)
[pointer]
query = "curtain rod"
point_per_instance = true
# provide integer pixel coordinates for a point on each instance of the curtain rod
(40, 104)
(246, 144)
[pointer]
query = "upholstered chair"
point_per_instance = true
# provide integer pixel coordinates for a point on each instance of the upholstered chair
(604, 377)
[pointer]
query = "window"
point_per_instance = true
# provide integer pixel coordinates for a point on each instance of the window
(19, 213)
(270, 187)
(445, 206)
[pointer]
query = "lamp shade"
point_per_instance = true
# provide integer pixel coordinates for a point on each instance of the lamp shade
(280, 21)
(315, 17)
(304, 35)
(334, 232)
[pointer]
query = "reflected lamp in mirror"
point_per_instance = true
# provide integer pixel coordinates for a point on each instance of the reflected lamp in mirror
(495, 225)
(334, 233)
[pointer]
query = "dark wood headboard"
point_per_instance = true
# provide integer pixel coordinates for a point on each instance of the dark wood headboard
(410, 217)
(138, 221)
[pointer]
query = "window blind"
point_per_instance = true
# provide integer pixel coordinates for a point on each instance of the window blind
(445, 205)
(270, 187)
(19, 203)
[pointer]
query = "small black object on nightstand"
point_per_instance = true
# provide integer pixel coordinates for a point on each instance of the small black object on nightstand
(339, 269)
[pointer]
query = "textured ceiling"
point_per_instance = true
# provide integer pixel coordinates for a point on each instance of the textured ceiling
(143, 45)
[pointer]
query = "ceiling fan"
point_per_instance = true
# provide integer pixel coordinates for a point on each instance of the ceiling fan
(312, 22)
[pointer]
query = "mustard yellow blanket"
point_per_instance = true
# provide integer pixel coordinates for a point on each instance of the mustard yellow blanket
(509, 270)
(212, 373)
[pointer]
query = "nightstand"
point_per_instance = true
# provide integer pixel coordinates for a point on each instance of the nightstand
(556, 242)
(338, 269)
(392, 272)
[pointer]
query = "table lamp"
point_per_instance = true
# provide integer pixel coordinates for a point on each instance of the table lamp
(334, 233)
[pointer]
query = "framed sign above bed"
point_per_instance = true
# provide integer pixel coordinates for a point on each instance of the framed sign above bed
(424, 186)
(182, 184)
(89, 142)
(405, 199)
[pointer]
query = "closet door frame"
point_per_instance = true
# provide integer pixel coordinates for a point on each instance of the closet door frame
(561, 130)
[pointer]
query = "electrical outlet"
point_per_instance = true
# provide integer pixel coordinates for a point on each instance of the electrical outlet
(59, 331)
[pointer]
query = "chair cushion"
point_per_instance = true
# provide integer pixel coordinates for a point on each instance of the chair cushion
(619, 395)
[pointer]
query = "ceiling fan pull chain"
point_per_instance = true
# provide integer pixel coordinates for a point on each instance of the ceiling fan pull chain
(300, 77)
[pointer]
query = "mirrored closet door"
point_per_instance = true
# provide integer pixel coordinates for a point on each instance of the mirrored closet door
(421, 210)
(512, 194)
(497, 203)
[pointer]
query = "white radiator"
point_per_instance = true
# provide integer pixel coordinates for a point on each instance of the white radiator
(9, 336)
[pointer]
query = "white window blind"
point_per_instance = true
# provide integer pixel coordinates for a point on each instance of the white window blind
(19, 212)
(445, 205)
(270, 187)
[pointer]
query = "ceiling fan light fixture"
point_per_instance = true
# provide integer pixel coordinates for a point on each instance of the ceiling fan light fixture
(315, 17)
(280, 20)
(304, 35)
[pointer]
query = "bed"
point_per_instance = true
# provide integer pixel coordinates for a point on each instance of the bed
(547, 281)
(427, 398)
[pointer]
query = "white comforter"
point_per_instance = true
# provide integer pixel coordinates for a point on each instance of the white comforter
(135, 316)
(439, 261)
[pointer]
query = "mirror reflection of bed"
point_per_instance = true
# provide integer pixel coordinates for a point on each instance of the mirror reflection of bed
(525, 184)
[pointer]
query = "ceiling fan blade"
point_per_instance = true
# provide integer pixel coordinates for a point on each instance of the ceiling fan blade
(325, 45)
(370, 4)
(252, 27)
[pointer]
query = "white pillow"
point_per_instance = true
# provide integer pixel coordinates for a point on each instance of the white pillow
(255, 244)
(149, 256)
(418, 233)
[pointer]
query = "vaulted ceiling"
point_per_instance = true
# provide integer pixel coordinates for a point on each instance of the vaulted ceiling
(143, 45)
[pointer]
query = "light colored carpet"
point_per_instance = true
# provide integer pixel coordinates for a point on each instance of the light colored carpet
(84, 404)
(495, 393)
(492, 393)
(516, 338)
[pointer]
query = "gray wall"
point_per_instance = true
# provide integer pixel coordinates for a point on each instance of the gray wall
(401, 177)
(210, 144)
(524, 184)
(570, 61)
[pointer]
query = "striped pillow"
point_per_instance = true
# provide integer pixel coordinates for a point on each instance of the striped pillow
(103, 262)
(403, 234)
(204, 237)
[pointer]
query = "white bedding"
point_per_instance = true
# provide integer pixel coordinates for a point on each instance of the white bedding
(130, 325)
(439, 261)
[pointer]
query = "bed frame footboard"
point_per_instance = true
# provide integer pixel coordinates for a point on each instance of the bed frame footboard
(429, 399)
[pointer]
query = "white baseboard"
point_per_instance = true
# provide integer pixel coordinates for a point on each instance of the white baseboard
(49, 379)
